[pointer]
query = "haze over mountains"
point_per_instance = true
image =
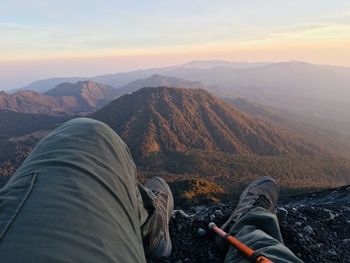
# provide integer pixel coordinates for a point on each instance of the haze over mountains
(303, 88)
(206, 64)
(329, 135)
(121, 79)
(288, 120)
(318, 93)
(160, 81)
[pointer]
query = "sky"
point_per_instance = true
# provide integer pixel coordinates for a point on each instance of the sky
(41, 39)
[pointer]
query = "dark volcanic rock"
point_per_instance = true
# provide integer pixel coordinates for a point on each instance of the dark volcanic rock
(316, 227)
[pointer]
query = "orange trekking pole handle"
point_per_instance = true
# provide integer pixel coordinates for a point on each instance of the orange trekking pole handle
(247, 251)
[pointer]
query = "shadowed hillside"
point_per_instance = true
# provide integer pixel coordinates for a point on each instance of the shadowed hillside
(19, 132)
(16, 123)
(32, 102)
(329, 135)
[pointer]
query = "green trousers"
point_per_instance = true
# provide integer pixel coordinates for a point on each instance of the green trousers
(76, 199)
(259, 229)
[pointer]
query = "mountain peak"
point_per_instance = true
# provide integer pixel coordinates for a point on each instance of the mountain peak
(172, 90)
(67, 98)
(162, 120)
(89, 94)
(157, 76)
(69, 89)
(158, 80)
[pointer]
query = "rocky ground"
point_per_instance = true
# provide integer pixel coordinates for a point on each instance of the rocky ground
(315, 226)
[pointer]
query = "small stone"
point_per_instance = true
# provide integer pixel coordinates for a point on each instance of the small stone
(303, 218)
(221, 205)
(331, 214)
(298, 223)
(212, 217)
(332, 252)
(180, 213)
(201, 232)
(282, 211)
(218, 213)
(308, 229)
(346, 241)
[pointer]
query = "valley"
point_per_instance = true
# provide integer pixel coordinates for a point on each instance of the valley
(184, 131)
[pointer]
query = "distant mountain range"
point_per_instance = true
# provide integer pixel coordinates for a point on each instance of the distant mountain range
(288, 120)
(66, 98)
(119, 80)
(184, 133)
(82, 97)
(307, 112)
(302, 88)
(329, 135)
(207, 64)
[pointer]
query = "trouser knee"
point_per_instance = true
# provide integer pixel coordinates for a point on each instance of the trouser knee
(84, 123)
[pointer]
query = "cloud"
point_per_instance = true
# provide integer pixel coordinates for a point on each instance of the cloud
(308, 32)
(307, 28)
(18, 27)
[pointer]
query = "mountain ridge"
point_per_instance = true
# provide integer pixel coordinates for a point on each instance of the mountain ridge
(177, 133)
(90, 95)
(65, 99)
(329, 135)
(189, 133)
(182, 119)
(158, 80)
(319, 90)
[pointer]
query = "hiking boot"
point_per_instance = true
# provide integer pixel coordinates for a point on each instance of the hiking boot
(263, 192)
(158, 243)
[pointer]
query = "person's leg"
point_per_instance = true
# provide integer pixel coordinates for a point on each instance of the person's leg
(75, 199)
(254, 223)
(259, 230)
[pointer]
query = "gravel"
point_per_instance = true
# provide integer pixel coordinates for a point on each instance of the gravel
(316, 227)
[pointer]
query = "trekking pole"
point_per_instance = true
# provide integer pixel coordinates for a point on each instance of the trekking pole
(247, 251)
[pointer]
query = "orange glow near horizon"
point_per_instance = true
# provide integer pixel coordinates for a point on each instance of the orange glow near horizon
(324, 45)
(318, 52)
(49, 39)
